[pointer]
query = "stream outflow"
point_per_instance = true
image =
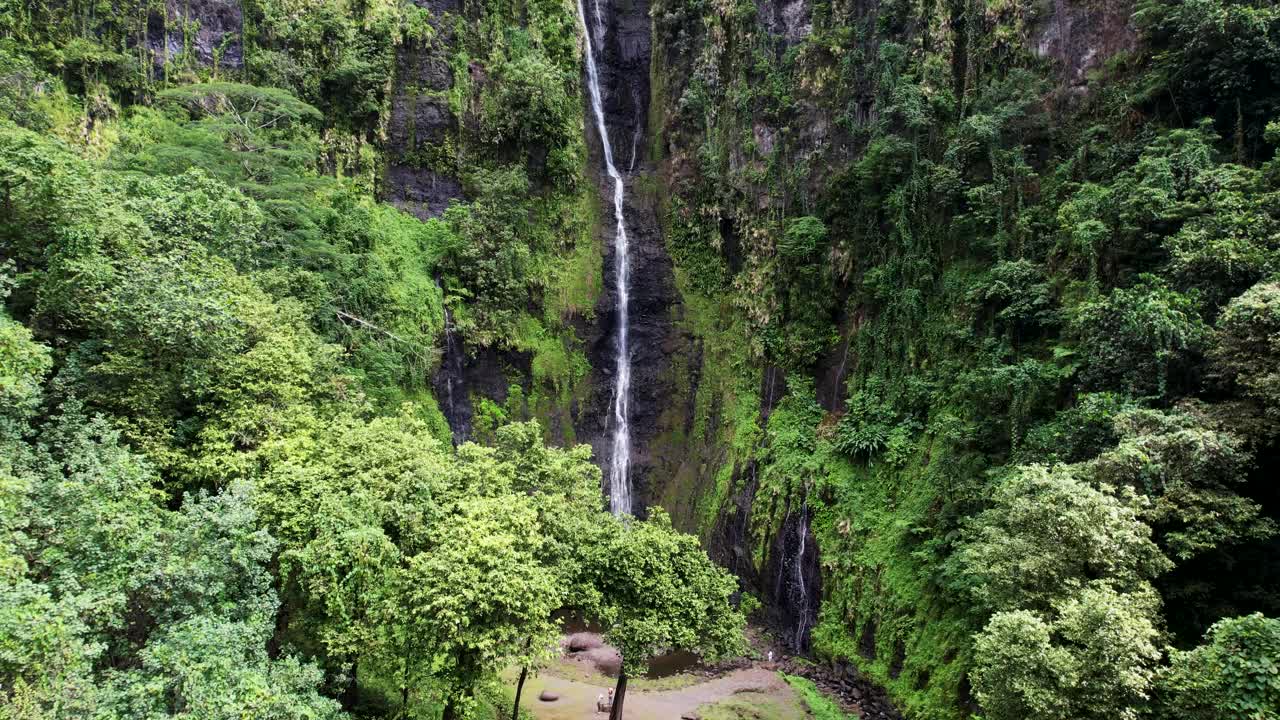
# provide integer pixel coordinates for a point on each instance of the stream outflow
(620, 458)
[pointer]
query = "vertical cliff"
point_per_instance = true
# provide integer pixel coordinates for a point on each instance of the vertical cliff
(621, 34)
(482, 135)
(804, 152)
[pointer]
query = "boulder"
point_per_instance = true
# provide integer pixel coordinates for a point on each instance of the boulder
(579, 642)
(606, 660)
(548, 696)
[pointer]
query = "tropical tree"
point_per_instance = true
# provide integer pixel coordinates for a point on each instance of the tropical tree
(350, 502)
(1047, 535)
(479, 600)
(1235, 673)
(661, 593)
(563, 488)
(1092, 657)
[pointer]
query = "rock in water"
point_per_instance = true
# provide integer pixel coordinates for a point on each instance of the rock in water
(548, 696)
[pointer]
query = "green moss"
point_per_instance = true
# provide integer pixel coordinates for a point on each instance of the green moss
(820, 706)
(883, 605)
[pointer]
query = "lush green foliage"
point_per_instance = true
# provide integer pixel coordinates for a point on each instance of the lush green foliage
(1008, 333)
(1232, 675)
(1037, 310)
(226, 490)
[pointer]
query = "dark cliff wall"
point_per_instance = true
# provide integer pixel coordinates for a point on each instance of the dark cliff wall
(211, 31)
(419, 179)
(484, 116)
(621, 32)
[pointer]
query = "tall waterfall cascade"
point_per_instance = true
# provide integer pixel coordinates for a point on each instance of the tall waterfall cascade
(620, 456)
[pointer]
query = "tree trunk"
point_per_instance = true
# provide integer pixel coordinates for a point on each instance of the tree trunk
(450, 709)
(619, 692)
(404, 682)
(1239, 132)
(515, 711)
(351, 693)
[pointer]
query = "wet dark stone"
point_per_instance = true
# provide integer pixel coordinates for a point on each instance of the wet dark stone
(421, 120)
(855, 692)
(220, 26)
(797, 579)
(622, 41)
(422, 67)
(418, 121)
(439, 6)
(790, 20)
(899, 658)
(730, 543)
(1080, 36)
(467, 373)
(421, 192)
(922, 680)
(867, 641)
(773, 387)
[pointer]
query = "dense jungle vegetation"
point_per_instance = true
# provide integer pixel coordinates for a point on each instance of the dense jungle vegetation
(227, 490)
(1042, 477)
(1045, 488)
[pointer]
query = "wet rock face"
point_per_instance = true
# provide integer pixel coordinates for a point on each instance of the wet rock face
(439, 7)
(796, 580)
(790, 20)
(1080, 36)
(468, 373)
(422, 192)
(420, 118)
(418, 182)
(730, 544)
(790, 583)
(219, 24)
(832, 369)
(653, 300)
(621, 32)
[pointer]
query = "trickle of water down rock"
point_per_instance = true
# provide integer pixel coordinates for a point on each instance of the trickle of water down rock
(802, 625)
(620, 456)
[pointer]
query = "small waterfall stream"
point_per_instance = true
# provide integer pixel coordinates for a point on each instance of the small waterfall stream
(450, 380)
(620, 457)
(802, 530)
(797, 584)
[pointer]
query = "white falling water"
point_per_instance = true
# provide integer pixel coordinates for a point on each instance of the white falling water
(451, 352)
(620, 460)
(802, 529)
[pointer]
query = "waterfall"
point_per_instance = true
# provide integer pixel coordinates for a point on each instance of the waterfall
(450, 381)
(452, 368)
(802, 529)
(620, 459)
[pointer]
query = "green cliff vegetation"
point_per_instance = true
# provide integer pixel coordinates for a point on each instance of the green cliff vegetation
(1026, 321)
(226, 487)
(984, 292)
